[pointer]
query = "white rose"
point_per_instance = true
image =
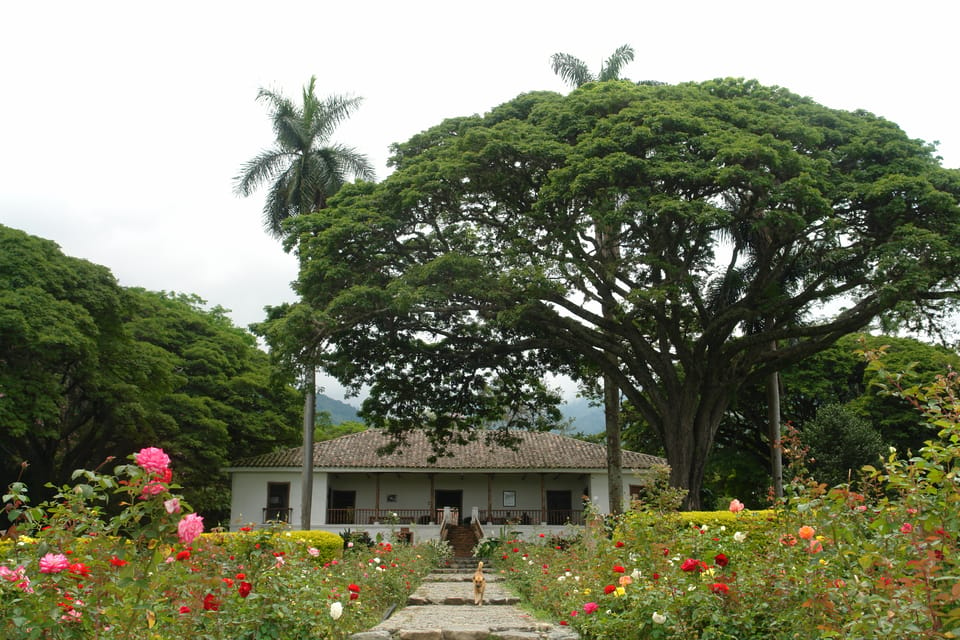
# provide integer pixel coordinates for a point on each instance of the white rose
(336, 610)
(658, 618)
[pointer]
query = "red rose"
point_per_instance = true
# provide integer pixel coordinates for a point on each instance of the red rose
(721, 560)
(690, 565)
(618, 569)
(210, 603)
(719, 587)
(607, 590)
(354, 588)
(244, 589)
(618, 544)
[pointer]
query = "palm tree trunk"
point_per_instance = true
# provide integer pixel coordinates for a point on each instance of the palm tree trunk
(309, 412)
(611, 411)
(773, 430)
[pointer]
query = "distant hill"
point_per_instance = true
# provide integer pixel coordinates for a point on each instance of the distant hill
(339, 411)
(582, 416)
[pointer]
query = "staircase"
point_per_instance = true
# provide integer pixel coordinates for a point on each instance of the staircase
(462, 540)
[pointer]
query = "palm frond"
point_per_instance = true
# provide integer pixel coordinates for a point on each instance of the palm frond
(259, 170)
(571, 69)
(615, 63)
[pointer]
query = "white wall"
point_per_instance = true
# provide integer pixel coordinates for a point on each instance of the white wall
(250, 497)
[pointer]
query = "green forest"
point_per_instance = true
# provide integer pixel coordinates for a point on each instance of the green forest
(90, 371)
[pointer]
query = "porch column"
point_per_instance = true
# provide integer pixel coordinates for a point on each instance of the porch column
(543, 497)
(376, 497)
(489, 497)
(433, 494)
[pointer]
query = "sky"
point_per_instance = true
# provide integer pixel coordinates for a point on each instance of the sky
(123, 124)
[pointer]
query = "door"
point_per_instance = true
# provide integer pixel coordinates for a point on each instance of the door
(452, 498)
(559, 507)
(341, 506)
(278, 502)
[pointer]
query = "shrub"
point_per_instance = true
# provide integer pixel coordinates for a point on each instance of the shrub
(840, 443)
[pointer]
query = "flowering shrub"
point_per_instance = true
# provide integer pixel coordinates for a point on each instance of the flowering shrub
(826, 563)
(150, 572)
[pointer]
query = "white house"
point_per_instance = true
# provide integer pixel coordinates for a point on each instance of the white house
(539, 485)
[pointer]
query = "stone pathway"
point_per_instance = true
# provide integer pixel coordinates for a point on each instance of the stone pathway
(442, 609)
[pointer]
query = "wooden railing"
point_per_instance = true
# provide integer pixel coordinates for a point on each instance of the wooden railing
(381, 516)
(426, 516)
(277, 514)
(532, 516)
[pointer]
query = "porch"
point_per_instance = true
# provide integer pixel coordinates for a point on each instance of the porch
(354, 516)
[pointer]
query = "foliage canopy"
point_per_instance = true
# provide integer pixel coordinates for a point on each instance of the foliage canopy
(739, 213)
(90, 369)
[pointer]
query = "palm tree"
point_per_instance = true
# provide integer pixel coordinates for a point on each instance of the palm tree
(575, 72)
(303, 170)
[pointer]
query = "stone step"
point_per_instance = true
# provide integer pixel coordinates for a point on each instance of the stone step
(459, 593)
(442, 608)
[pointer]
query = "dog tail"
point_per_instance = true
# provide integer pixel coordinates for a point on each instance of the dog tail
(480, 566)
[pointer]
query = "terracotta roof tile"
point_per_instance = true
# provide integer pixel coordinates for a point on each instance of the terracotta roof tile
(537, 450)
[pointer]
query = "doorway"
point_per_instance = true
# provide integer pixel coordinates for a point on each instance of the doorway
(452, 498)
(278, 502)
(342, 506)
(559, 507)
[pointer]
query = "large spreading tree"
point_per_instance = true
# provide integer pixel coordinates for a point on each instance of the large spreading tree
(744, 216)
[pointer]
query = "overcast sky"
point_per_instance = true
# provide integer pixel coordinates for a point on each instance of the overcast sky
(123, 123)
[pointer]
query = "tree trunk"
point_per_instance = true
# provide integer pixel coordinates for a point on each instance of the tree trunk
(773, 430)
(309, 412)
(611, 412)
(688, 431)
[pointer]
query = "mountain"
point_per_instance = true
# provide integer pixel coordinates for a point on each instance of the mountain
(339, 411)
(582, 415)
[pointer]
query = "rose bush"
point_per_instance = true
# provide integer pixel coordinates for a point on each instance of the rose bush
(148, 571)
(880, 562)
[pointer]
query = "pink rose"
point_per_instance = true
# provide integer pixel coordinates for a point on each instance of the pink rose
(590, 607)
(152, 489)
(172, 505)
(152, 460)
(54, 563)
(736, 506)
(190, 526)
(906, 528)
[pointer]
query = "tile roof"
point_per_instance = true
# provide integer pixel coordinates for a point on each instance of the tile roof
(537, 450)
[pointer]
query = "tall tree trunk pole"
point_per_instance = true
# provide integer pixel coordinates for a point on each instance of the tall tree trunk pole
(309, 413)
(773, 430)
(609, 249)
(611, 413)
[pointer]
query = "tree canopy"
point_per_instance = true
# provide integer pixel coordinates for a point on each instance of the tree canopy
(742, 215)
(89, 369)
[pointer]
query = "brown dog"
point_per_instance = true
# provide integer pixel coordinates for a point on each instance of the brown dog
(479, 584)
